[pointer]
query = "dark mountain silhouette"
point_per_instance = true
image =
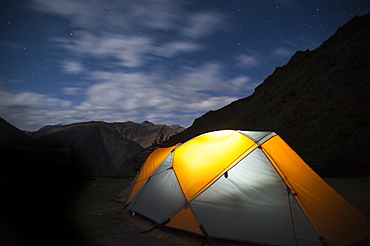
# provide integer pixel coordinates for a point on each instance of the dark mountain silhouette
(100, 148)
(27, 165)
(10, 137)
(96, 148)
(319, 102)
(41, 178)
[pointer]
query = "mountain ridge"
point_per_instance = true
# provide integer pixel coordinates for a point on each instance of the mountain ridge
(96, 148)
(10, 137)
(100, 148)
(318, 102)
(146, 135)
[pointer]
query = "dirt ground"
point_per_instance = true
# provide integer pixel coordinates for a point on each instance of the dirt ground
(90, 216)
(102, 222)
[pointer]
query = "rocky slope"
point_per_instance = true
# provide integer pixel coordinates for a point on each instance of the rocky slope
(319, 102)
(146, 134)
(177, 128)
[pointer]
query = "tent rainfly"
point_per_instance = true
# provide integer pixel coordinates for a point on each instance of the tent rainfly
(246, 186)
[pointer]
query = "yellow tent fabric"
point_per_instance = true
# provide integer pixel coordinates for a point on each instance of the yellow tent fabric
(185, 220)
(329, 212)
(196, 171)
(243, 185)
(149, 167)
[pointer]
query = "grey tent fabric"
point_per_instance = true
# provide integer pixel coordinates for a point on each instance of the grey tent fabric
(258, 137)
(161, 197)
(251, 209)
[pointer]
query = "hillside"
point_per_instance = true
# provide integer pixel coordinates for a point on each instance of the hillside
(99, 148)
(319, 102)
(10, 137)
(96, 148)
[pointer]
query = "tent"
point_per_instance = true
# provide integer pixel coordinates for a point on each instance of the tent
(246, 186)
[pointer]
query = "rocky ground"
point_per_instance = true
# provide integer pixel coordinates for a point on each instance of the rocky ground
(99, 221)
(90, 216)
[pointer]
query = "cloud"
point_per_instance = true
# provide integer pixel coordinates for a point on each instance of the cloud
(203, 23)
(172, 49)
(122, 31)
(210, 77)
(120, 96)
(247, 61)
(72, 67)
(128, 51)
(26, 110)
(11, 46)
(162, 15)
(198, 89)
(121, 50)
(31, 100)
(107, 16)
(156, 14)
(209, 103)
(139, 91)
(71, 90)
(282, 52)
(130, 44)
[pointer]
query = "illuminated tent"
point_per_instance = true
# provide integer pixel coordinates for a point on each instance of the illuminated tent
(246, 186)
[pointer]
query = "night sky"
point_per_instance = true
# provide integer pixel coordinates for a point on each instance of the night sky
(166, 61)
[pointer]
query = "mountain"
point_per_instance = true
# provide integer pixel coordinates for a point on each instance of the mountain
(147, 123)
(96, 148)
(319, 102)
(104, 149)
(48, 127)
(177, 128)
(10, 137)
(146, 134)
